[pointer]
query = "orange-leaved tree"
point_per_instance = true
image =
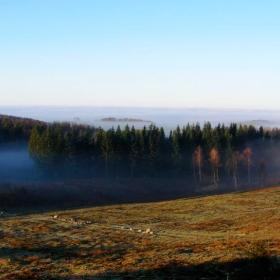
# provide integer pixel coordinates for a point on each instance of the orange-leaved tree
(215, 163)
(198, 162)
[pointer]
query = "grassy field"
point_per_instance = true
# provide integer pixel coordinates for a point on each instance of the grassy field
(231, 236)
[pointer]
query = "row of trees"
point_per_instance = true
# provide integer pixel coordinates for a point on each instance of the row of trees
(233, 161)
(205, 154)
(234, 154)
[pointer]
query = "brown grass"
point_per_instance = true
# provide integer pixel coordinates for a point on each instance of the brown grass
(92, 242)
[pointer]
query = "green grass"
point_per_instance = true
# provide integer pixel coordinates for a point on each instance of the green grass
(207, 237)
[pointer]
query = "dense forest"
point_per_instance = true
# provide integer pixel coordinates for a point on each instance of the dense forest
(234, 155)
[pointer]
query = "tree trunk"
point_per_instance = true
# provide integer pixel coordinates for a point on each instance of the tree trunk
(199, 172)
(215, 181)
(217, 171)
(132, 169)
(194, 173)
(249, 173)
(235, 181)
(106, 167)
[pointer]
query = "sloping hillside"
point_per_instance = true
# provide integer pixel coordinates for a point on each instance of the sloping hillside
(14, 129)
(232, 236)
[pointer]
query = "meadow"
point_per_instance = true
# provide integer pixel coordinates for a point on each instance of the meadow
(228, 236)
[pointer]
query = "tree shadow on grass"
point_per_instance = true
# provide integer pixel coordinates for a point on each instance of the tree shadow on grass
(244, 269)
(59, 253)
(55, 253)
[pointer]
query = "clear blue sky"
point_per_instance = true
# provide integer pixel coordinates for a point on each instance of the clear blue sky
(188, 53)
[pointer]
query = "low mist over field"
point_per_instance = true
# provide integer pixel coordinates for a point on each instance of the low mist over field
(78, 164)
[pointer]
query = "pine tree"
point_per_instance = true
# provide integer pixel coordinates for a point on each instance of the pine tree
(176, 149)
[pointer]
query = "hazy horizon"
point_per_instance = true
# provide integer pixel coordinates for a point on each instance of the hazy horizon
(169, 118)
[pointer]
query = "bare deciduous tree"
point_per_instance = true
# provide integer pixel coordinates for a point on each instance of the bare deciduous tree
(247, 155)
(262, 172)
(232, 163)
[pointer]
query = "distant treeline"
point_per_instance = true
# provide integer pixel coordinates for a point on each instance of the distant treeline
(13, 129)
(236, 154)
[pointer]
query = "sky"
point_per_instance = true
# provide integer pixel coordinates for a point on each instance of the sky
(179, 53)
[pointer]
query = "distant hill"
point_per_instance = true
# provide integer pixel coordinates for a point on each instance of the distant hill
(21, 120)
(112, 119)
(15, 128)
(258, 123)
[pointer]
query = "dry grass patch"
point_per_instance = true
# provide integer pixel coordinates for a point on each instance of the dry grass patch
(202, 237)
